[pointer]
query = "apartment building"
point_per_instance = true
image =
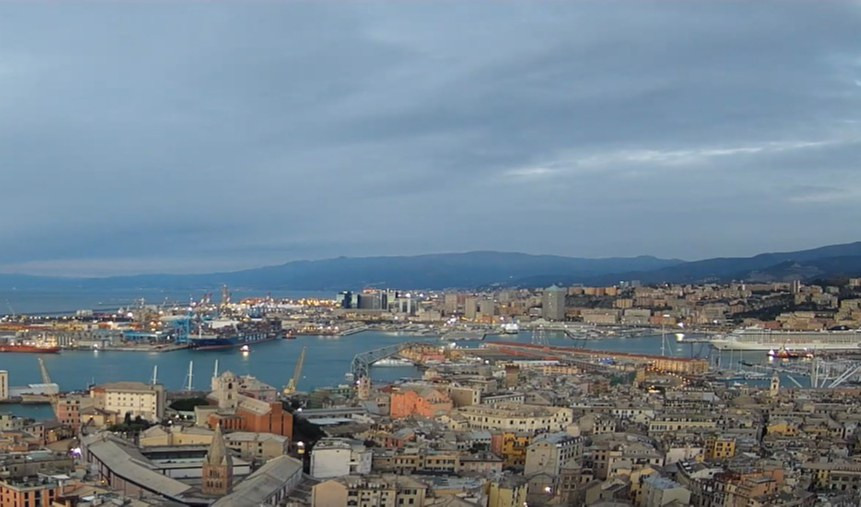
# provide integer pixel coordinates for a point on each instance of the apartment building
(337, 457)
(518, 417)
(369, 491)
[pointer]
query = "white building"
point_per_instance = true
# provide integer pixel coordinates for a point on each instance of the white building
(337, 457)
(133, 398)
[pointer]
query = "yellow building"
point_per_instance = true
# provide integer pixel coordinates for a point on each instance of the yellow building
(511, 447)
(718, 448)
(508, 492)
(783, 428)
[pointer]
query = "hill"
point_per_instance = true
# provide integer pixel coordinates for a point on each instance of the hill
(483, 269)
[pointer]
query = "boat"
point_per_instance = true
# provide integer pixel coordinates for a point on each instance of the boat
(245, 348)
(755, 338)
(393, 361)
(28, 349)
(783, 353)
(511, 328)
(223, 335)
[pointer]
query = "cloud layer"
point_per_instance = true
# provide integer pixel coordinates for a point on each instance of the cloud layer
(196, 136)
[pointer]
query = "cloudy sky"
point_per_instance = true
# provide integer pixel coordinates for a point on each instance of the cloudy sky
(159, 137)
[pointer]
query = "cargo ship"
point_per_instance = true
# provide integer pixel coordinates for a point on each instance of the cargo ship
(221, 336)
(28, 349)
(755, 338)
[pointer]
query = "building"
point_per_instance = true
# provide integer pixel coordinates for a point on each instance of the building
(370, 491)
(175, 436)
(423, 401)
(719, 447)
(26, 465)
(549, 452)
(344, 299)
(217, 467)
(517, 417)
(553, 303)
(69, 409)
(34, 492)
(238, 412)
(268, 485)
(337, 457)
(263, 446)
(511, 447)
(373, 300)
(11, 422)
(137, 399)
(659, 491)
(508, 491)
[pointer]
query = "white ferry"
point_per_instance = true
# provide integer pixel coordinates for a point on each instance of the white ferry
(755, 338)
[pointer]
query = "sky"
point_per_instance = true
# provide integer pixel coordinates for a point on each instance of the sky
(140, 137)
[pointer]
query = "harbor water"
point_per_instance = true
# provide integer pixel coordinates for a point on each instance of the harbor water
(327, 360)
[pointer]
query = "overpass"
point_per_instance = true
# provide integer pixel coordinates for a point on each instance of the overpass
(362, 362)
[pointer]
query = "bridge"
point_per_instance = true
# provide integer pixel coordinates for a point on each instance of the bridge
(361, 365)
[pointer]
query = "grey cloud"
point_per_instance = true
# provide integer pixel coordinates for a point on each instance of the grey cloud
(197, 135)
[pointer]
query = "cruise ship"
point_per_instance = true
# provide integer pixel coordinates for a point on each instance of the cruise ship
(755, 338)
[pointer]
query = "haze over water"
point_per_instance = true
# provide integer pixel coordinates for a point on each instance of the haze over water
(58, 301)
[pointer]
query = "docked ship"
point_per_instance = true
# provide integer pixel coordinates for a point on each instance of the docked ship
(393, 362)
(221, 335)
(754, 338)
(783, 353)
(27, 349)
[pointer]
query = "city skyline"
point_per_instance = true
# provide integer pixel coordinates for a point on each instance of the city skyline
(248, 136)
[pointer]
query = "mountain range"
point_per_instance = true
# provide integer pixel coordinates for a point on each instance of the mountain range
(483, 269)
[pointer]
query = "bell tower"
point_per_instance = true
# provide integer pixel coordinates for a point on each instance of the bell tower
(227, 392)
(774, 389)
(217, 467)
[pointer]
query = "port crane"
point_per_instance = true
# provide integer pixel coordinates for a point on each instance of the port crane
(290, 388)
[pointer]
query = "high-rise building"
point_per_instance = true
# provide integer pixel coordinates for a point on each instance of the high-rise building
(345, 299)
(486, 309)
(373, 300)
(470, 307)
(450, 303)
(553, 303)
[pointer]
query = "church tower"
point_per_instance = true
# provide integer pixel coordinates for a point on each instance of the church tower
(217, 467)
(227, 392)
(775, 385)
